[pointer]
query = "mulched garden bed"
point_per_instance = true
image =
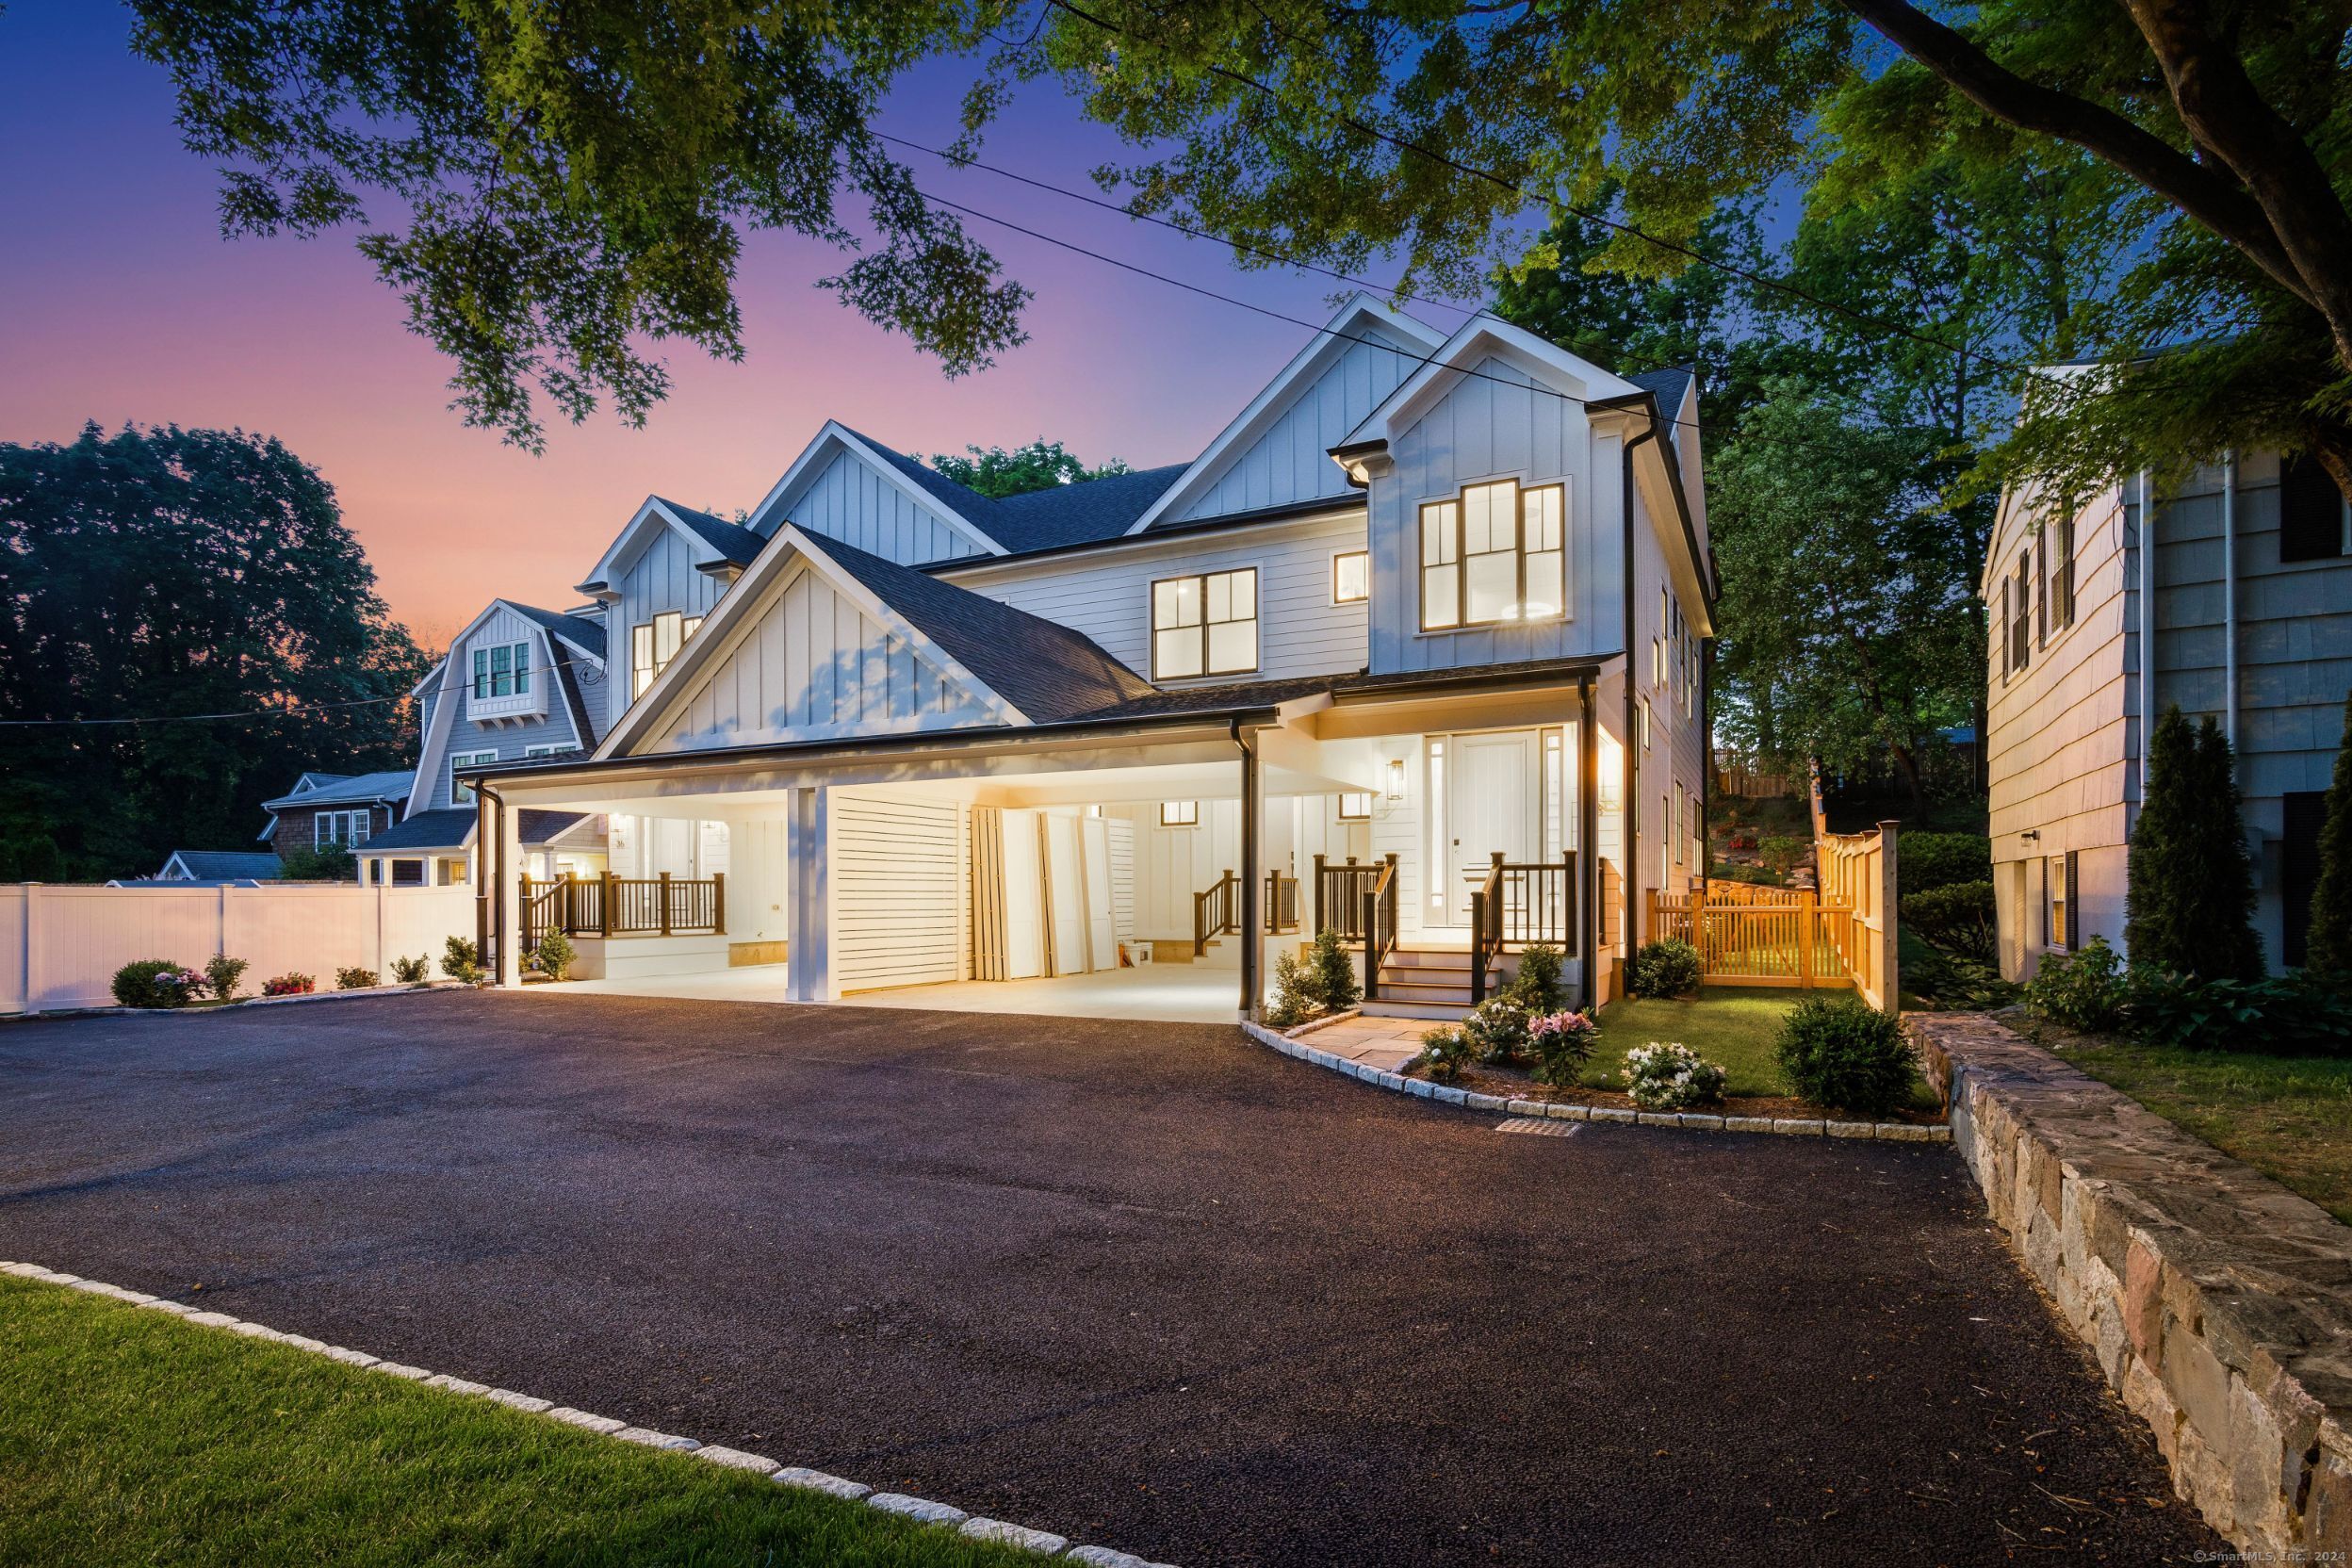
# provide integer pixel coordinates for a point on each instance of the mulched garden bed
(1513, 1082)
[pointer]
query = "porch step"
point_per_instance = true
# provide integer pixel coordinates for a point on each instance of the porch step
(1455, 992)
(1440, 1012)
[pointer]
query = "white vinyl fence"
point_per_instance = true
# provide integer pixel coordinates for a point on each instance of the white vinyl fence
(60, 946)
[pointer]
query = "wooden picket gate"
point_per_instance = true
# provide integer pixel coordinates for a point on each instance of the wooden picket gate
(1759, 937)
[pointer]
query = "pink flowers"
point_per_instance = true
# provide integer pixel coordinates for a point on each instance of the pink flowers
(289, 985)
(1571, 1026)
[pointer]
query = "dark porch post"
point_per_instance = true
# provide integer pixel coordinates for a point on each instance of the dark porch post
(484, 885)
(1252, 940)
(1587, 844)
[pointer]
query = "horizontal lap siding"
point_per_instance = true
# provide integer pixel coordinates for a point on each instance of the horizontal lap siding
(852, 502)
(1291, 461)
(897, 871)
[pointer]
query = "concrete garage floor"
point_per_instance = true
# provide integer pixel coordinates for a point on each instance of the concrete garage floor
(1158, 1287)
(1166, 994)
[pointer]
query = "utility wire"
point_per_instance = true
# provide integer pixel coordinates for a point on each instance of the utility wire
(246, 713)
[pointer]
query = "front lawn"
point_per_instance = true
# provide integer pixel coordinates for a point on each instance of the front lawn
(127, 1436)
(1731, 1027)
(2288, 1117)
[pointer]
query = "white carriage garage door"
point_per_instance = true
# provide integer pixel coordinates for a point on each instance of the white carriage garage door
(899, 882)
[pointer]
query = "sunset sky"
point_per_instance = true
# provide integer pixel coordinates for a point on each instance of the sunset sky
(119, 301)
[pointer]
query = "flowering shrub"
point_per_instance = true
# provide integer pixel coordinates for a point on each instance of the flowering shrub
(1443, 1053)
(1743, 840)
(156, 983)
(1669, 1077)
(1499, 1029)
(1562, 1043)
(289, 984)
(354, 979)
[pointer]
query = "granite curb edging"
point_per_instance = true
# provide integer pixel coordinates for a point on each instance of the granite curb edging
(1548, 1110)
(395, 989)
(2214, 1299)
(921, 1510)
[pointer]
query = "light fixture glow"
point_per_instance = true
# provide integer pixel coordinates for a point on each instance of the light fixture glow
(1395, 778)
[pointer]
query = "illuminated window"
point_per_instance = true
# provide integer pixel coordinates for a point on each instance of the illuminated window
(1352, 577)
(1180, 814)
(1497, 553)
(653, 644)
(1204, 625)
(1356, 807)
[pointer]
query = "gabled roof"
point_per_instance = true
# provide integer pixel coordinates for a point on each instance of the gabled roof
(220, 865)
(1046, 670)
(963, 512)
(737, 545)
(312, 781)
(388, 787)
(714, 540)
(1065, 515)
(579, 631)
(1478, 338)
(1670, 385)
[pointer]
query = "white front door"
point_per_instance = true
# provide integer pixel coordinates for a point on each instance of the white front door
(1493, 801)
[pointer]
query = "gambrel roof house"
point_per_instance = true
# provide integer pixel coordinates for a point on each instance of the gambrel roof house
(1414, 649)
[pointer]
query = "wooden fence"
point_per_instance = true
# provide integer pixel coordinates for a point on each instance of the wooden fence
(1747, 784)
(1792, 939)
(1857, 870)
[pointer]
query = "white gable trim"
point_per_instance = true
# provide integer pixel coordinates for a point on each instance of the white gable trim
(651, 519)
(1274, 399)
(1483, 338)
(734, 617)
(833, 440)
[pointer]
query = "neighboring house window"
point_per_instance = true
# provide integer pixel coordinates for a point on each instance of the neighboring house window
(2021, 618)
(1204, 625)
(1645, 723)
(2001, 636)
(653, 644)
(1180, 814)
(1497, 553)
(348, 828)
(461, 794)
(2315, 521)
(563, 750)
(2056, 872)
(1356, 806)
(2061, 574)
(2041, 584)
(1352, 577)
(502, 671)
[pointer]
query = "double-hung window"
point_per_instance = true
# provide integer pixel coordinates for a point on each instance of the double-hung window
(1495, 553)
(345, 828)
(461, 795)
(1205, 625)
(653, 644)
(502, 670)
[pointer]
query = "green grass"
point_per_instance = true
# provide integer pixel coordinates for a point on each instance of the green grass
(2288, 1117)
(1733, 1027)
(127, 1436)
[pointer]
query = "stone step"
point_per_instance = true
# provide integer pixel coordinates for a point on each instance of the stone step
(1438, 1011)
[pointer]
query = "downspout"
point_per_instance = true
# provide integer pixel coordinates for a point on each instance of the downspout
(1251, 945)
(495, 857)
(1631, 805)
(2229, 597)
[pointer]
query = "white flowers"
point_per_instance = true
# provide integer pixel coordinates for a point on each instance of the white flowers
(1668, 1077)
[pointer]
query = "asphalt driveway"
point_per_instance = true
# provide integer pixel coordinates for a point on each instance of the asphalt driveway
(1146, 1285)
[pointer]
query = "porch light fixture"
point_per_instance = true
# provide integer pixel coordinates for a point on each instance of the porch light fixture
(1395, 778)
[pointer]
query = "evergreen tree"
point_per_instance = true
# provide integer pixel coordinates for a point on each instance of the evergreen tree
(2328, 947)
(2191, 903)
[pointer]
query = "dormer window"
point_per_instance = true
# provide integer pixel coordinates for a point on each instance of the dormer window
(653, 644)
(1495, 554)
(502, 670)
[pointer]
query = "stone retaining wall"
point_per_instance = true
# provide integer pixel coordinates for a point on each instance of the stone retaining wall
(2219, 1303)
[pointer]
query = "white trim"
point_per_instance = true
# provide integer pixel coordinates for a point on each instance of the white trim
(1480, 338)
(1277, 396)
(724, 626)
(651, 517)
(837, 438)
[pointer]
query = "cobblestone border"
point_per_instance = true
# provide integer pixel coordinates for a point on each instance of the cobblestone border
(395, 989)
(1693, 1121)
(922, 1510)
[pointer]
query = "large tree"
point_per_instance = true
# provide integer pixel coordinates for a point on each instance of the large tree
(161, 572)
(1041, 464)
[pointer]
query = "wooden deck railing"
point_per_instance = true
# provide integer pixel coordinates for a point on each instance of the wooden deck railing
(1216, 911)
(663, 906)
(1339, 891)
(1380, 926)
(1516, 904)
(1282, 903)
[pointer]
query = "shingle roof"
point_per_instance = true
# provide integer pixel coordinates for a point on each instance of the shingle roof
(1093, 510)
(225, 865)
(1047, 671)
(452, 827)
(579, 629)
(367, 786)
(731, 540)
(1667, 385)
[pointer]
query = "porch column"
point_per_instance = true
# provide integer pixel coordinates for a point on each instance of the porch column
(508, 864)
(1588, 845)
(809, 959)
(1253, 874)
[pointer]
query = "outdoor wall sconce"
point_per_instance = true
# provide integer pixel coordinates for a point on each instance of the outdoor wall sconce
(1395, 778)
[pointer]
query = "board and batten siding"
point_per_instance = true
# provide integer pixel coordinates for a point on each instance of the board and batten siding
(1487, 429)
(902, 886)
(1300, 631)
(1291, 462)
(850, 500)
(813, 663)
(512, 738)
(663, 577)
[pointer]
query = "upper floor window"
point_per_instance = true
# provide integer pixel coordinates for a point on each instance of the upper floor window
(347, 828)
(1499, 553)
(1205, 625)
(461, 795)
(2059, 590)
(1352, 577)
(653, 644)
(502, 670)
(2021, 613)
(2314, 519)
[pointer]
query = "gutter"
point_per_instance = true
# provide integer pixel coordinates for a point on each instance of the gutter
(1331, 506)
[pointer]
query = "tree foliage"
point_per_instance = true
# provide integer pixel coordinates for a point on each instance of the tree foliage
(2190, 905)
(1041, 464)
(169, 572)
(552, 188)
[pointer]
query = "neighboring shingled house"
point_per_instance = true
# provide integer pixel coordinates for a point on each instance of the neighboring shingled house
(327, 810)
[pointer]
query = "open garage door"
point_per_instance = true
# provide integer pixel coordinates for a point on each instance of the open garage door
(899, 884)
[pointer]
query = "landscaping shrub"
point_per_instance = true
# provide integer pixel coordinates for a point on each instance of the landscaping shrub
(1669, 1077)
(2293, 1017)
(1537, 987)
(1443, 1053)
(2190, 905)
(2081, 990)
(1562, 1043)
(462, 960)
(1733, 870)
(329, 863)
(1498, 1028)
(2327, 945)
(1669, 967)
(412, 971)
(1925, 862)
(356, 979)
(292, 983)
(1841, 1052)
(156, 983)
(222, 974)
(1959, 917)
(1293, 1003)
(1784, 853)
(1332, 972)
(1953, 982)
(554, 955)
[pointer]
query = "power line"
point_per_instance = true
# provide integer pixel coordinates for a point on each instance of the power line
(242, 713)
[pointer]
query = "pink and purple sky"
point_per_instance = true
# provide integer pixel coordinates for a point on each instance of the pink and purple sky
(119, 301)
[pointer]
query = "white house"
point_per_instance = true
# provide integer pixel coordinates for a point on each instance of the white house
(1414, 648)
(2230, 596)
